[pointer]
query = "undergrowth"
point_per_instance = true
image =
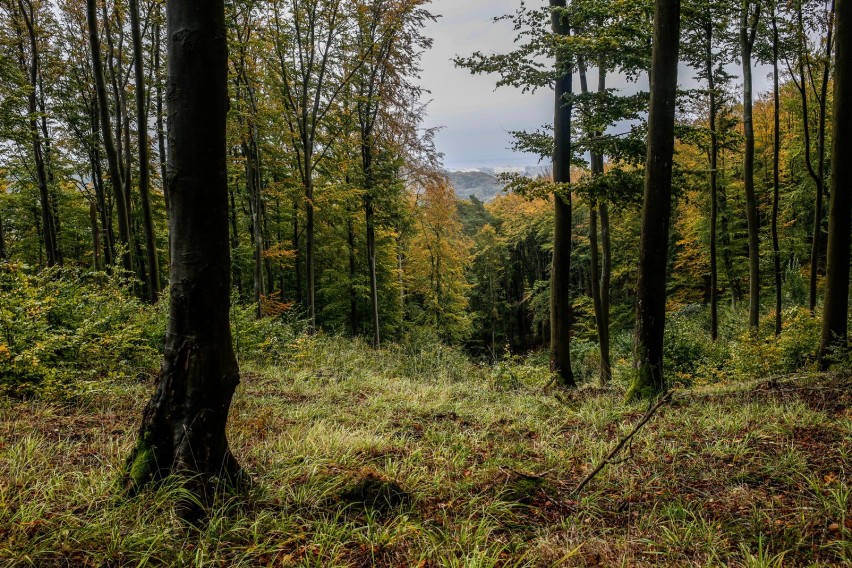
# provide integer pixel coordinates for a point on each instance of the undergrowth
(417, 455)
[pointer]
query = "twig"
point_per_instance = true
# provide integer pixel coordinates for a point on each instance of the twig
(607, 460)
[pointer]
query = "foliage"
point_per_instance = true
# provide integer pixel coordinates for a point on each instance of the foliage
(65, 332)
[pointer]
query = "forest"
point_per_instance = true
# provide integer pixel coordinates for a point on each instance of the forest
(248, 319)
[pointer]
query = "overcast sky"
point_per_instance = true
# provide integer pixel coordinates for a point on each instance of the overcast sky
(476, 118)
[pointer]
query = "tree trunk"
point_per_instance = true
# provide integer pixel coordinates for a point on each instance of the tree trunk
(748, 30)
(297, 251)
(161, 134)
(596, 280)
(4, 254)
(776, 185)
(560, 271)
(249, 149)
(107, 247)
(310, 269)
(116, 178)
(353, 296)
(836, 306)
(606, 280)
(714, 195)
(371, 258)
(183, 426)
(142, 142)
(656, 212)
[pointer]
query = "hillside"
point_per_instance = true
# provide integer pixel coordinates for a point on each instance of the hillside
(482, 185)
(418, 457)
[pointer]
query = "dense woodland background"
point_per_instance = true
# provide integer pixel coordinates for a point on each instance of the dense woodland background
(341, 217)
(360, 359)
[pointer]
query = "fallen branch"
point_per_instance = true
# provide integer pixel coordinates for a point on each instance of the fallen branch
(608, 459)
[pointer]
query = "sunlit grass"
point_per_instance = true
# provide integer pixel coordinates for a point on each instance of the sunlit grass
(401, 457)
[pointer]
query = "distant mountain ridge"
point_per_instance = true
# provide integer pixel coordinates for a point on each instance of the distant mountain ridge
(483, 183)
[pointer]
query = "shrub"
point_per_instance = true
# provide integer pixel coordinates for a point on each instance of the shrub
(64, 330)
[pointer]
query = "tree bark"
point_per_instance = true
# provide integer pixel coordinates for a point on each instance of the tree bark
(142, 142)
(183, 426)
(595, 277)
(656, 212)
(748, 30)
(560, 271)
(161, 134)
(4, 254)
(776, 184)
(836, 305)
(714, 194)
(353, 296)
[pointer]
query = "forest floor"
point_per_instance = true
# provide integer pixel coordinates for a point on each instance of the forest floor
(357, 463)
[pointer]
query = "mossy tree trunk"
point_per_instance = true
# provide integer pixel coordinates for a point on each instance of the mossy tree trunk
(656, 212)
(183, 426)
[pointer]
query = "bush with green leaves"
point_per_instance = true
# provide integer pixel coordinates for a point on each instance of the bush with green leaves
(62, 331)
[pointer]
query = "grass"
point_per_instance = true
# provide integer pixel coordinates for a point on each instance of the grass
(408, 458)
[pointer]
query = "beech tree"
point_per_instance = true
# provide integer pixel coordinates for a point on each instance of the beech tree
(749, 20)
(116, 173)
(836, 306)
(656, 211)
(183, 425)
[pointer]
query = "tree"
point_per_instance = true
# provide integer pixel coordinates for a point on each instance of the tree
(836, 306)
(656, 211)
(389, 41)
(24, 17)
(560, 269)
(705, 21)
(310, 77)
(117, 178)
(183, 425)
(144, 163)
(749, 19)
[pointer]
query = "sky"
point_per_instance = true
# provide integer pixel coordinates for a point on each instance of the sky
(475, 119)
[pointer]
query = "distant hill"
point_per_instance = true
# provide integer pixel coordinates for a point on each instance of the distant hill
(483, 182)
(485, 186)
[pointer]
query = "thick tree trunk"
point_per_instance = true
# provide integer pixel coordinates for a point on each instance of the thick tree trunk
(116, 178)
(656, 212)
(183, 426)
(836, 306)
(142, 142)
(748, 29)
(560, 271)
(776, 184)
